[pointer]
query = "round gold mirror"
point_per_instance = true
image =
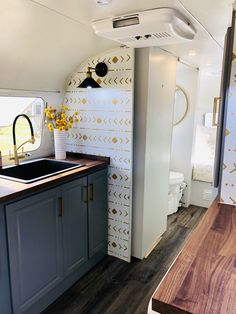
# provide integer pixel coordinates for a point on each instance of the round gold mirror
(180, 106)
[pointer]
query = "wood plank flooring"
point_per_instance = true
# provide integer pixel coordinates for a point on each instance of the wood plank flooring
(117, 287)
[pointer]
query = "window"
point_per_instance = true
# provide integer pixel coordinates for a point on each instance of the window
(204, 153)
(10, 107)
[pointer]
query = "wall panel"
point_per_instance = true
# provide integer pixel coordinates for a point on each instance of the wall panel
(228, 186)
(106, 128)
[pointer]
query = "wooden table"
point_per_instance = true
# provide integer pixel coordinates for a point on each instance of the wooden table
(202, 280)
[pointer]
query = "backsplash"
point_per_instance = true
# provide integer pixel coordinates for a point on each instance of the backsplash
(106, 128)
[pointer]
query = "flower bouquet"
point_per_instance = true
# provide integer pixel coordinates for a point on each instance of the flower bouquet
(59, 122)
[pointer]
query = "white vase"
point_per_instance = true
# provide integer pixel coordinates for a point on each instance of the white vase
(60, 144)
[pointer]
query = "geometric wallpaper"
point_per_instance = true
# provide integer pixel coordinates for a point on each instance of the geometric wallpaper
(228, 187)
(105, 128)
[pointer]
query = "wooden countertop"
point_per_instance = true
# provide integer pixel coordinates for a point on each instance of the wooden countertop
(10, 190)
(202, 280)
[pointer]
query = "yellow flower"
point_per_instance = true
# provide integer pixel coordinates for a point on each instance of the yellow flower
(59, 119)
(50, 127)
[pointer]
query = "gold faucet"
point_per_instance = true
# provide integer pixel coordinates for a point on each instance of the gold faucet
(31, 140)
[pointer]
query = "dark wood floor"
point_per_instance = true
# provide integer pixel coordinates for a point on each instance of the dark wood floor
(117, 287)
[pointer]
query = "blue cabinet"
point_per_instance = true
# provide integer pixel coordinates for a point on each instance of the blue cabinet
(75, 229)
(97, 212)
(35, 248)
(5, 299)
(55, 237)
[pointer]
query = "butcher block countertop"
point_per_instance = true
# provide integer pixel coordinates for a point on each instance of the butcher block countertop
(202, 280)
(10, 190)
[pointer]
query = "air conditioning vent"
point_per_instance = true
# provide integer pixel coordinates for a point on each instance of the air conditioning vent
(157, 27)
(161, 35)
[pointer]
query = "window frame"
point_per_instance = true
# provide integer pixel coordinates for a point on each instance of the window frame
(42, 122)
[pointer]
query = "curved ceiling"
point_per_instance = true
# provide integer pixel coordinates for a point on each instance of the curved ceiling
(39, 48)
(43, 41)
(214, 15)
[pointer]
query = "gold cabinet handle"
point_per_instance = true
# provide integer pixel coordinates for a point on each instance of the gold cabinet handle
(216, 103)
(85, 194)
(61, 207)
(91, 192)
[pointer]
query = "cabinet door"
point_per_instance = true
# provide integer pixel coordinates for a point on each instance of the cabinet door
(75, 237)
(35, 248)
(5, 300)
(97, 212)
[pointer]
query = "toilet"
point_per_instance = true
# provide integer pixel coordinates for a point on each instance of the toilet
(176, 187)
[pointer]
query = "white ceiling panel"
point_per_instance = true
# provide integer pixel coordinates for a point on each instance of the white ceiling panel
(39, 48)
(42, 41)
(214, 16)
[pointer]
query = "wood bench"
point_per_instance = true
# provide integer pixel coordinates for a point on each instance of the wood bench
(202, 280)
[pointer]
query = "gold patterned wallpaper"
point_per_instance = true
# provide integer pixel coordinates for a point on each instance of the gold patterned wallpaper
(106, 128)
(228, 185)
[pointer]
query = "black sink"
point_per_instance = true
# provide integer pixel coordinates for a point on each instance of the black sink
(36, 170)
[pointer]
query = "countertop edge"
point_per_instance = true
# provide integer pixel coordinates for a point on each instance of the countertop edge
(19, 190)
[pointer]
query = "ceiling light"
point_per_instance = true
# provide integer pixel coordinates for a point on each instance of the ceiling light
(103, 2)
(100, 70)
(192, 53)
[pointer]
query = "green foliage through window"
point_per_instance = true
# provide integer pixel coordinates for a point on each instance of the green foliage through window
(10, 107)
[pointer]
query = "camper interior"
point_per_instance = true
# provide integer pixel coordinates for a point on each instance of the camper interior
(117, 156)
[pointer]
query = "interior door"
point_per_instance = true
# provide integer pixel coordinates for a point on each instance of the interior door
(225, 81)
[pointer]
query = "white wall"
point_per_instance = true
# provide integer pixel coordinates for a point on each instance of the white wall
(106, 128)
(153, 113)
(209, 87)
(183, 133)
(39, 47)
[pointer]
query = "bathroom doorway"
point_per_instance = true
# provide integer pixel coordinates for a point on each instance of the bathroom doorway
(193, 137)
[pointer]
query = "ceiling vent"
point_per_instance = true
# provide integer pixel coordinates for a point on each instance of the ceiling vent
(157, 27)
